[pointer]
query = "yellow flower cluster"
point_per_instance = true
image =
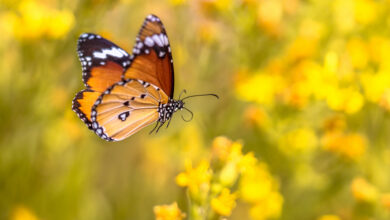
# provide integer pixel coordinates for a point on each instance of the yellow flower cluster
(214, 184)
(33, 20)
(344, 75)
(168, 212)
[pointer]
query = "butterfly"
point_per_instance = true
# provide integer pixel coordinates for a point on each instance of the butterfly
(125, 93)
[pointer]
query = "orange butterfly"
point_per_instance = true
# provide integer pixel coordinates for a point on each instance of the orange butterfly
(125, 93)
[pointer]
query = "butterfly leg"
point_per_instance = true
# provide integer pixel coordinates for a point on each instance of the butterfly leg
(161, 124)
(154, 127)
(169, 121)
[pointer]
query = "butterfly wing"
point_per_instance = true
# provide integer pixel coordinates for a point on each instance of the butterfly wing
(152, 59)
(103, 64)
(125, 108)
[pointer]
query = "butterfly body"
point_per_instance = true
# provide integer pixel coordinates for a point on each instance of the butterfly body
(125, 93)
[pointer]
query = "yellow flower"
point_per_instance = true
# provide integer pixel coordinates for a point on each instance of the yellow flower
(196, 179)
(221, 148)
(363, 191)
(247, 162)
(386, 200)
(379, 48)
(256, 184)
(260, 88)
(329, 217)
(256, 116)
(358, 53)
(351, 146)
(177, 2)
(366, 11)
(269, 16)
(229, 174)
(302, 140)
(344, 15)
(270, 207)
(37, 20)
(224, 203)
(168, 212)
(60, 23)
(348, 100)
(375, 85)
(23, 213)
(208, 31)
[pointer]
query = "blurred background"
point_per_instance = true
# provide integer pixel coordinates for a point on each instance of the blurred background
(303, 84)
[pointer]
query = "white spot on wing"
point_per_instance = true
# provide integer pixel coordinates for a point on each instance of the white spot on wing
(157, 39)
(149, 42)
(114, 51)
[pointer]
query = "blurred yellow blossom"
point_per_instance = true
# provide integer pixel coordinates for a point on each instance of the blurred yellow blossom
(260, 88)
(196, 179)
(208, 31)
(298, 141)
(379, 48)
(269, 207)
(366, 11)
(329, 217)
(363, 191)
(349, 100)
(60, 23)
(256, 184)
(177, 2)
(23, 213)
(168, 212)
(344, 15)
(38, 20)
(375, 85)
(311, 29)
(385, 200)
(224, 203)
(358, 52)
(256, 116)
(269, 15)
(221, 147)
(351, 146)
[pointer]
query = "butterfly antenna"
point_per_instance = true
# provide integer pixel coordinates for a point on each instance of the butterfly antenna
(192, 115)
(216, 96)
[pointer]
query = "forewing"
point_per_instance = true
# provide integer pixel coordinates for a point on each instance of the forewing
(125, 108)
(102, 61)
(152, 59)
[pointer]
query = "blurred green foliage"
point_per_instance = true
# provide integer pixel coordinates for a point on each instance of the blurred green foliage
(304, 85)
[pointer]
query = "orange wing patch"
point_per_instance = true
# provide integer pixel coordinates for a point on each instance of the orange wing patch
(105, 76)
(82, 104)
